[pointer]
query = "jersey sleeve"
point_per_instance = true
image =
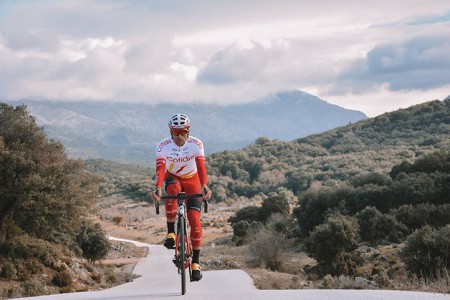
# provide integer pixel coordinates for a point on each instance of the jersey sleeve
(160, 163)
(201, 164)
(160, 171)
(201, 169)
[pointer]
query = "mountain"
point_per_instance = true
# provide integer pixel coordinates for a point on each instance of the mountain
(128, 132)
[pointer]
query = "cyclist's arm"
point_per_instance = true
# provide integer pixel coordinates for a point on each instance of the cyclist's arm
(160, 172)
(201, 169)
(159, 179)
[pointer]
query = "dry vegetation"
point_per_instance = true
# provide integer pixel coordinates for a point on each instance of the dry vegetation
(219, 252)
(77, 275)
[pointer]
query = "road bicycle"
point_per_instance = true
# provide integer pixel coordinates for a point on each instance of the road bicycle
(183, 249)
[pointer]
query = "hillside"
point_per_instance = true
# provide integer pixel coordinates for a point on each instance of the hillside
(128, 132)
(372, 145)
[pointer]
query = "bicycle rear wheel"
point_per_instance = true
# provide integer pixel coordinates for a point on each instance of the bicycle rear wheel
(182, 254)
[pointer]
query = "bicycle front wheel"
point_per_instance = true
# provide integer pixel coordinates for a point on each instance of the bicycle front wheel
(182, 254)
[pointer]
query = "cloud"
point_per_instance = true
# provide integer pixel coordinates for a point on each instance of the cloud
(220, 51)
(419, 63)
(243, 61)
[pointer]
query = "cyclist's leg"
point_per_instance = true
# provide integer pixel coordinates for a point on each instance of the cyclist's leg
(172, 187)
(193, 186)
(193, 213)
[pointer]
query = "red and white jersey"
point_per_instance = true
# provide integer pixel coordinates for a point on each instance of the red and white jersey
(182, 162)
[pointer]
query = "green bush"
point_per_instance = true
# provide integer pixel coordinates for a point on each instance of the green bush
(32, 288)
(93, 242)
(416, 216)
(8, 271)
(248, 213)
(273, 205)
(374, 227)
(333, 243)
(427, 252)
(315, 204)
(240, 228)
(280, 223)
(370, 178)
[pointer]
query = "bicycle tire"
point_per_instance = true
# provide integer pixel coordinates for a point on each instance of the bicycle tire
(182, 254)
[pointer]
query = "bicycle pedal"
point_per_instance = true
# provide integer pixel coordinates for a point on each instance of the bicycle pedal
(175, 262)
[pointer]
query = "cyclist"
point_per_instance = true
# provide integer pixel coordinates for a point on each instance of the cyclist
(180, 166)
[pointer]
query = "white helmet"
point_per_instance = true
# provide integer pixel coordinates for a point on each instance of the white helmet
(179, 121)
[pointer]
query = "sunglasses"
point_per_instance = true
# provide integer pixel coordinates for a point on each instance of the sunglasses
(177, 132)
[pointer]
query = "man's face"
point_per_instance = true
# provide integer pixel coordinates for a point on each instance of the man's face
(179, 136)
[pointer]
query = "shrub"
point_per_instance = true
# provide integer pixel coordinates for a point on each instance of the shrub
(240, 228)
(267, 246)
(427, 252)
(248, 213)
(32, 288)
(376, 227)
(416, 216)
(273, 205)
(333, 243)
(280, 223)
(62, 278)
(315, 204)
(34, 266)
(370, 178)
(93, 242)
(8, 271)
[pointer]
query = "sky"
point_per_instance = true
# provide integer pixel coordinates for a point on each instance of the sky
(371, 56)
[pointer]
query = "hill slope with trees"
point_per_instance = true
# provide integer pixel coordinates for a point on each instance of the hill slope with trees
(46, 203)
(372, 145)
(382, 181)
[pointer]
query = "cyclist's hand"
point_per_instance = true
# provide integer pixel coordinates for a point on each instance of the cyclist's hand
(207, 193)
(156, 194)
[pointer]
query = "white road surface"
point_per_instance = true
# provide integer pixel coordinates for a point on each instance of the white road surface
(159, 280)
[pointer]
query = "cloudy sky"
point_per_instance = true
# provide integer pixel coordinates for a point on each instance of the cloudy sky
(372, 56)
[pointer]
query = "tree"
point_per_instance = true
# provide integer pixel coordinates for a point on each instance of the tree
(254, 167)
(42, 191)
(333, 243)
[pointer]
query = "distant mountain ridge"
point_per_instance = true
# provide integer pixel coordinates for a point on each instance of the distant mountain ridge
(128, 132)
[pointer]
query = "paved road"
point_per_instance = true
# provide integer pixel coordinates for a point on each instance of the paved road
(159, 280)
